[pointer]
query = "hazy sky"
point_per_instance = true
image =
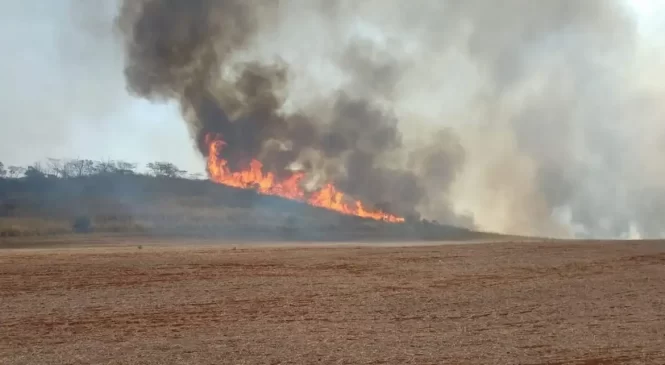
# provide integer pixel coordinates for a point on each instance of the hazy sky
(63, 93)
(651, 14)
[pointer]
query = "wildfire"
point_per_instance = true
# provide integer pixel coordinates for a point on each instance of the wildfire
(253, 177)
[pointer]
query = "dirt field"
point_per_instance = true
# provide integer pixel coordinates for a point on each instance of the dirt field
(528, 303)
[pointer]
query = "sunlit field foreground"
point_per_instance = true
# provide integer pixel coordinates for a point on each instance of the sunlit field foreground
(503, 303)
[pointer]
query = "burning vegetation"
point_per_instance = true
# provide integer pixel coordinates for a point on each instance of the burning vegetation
(315, 98)
(86, 196)
(253, 177)
(337, 152)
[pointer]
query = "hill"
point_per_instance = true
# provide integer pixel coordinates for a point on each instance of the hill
(159, 205)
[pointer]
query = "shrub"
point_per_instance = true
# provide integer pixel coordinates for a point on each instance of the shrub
(82, 225)
(289, 228)
(10, 232)
(7, 208)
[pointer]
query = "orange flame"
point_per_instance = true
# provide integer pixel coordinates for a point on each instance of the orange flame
(253, 177)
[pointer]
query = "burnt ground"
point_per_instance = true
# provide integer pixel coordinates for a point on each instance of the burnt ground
(505, 303)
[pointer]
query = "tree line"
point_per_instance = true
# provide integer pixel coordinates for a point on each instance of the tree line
(73, 168)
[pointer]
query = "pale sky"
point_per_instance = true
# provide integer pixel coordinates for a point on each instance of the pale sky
(63, 93)
(651, 14)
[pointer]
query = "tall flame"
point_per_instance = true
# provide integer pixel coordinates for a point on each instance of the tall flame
(267, 183)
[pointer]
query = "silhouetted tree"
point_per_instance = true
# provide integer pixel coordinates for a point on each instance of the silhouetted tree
(58, 168)
(15, 171)
(164, 169)
(55, 167)
(105, 167)
(35, 172)
(78, 167)
(125, 168)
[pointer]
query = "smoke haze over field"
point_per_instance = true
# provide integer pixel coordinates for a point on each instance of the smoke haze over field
(514, 116)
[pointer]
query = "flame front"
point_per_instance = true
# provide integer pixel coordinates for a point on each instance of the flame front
(253, 177)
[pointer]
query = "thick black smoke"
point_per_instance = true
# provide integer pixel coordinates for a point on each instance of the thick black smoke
(185, 50)
(535, 117)
(175, 50)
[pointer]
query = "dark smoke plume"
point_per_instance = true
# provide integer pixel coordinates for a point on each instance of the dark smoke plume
(179, 50)
(515, 116)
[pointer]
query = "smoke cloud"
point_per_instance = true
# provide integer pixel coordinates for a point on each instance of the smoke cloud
(515, 116)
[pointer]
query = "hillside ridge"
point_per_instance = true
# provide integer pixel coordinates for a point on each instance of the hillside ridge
(159, 205)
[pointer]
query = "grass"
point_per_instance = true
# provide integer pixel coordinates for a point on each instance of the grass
(29, 226)
(162, 206)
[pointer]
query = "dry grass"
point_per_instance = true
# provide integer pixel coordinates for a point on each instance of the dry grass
(143, 204)
(32, 226)
(457, 304)
(36, 226)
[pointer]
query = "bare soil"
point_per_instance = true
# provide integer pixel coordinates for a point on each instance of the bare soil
(505, 303)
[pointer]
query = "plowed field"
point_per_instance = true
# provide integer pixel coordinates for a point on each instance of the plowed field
(506, 303)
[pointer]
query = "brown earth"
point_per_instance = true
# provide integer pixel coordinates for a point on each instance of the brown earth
(505, 303)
